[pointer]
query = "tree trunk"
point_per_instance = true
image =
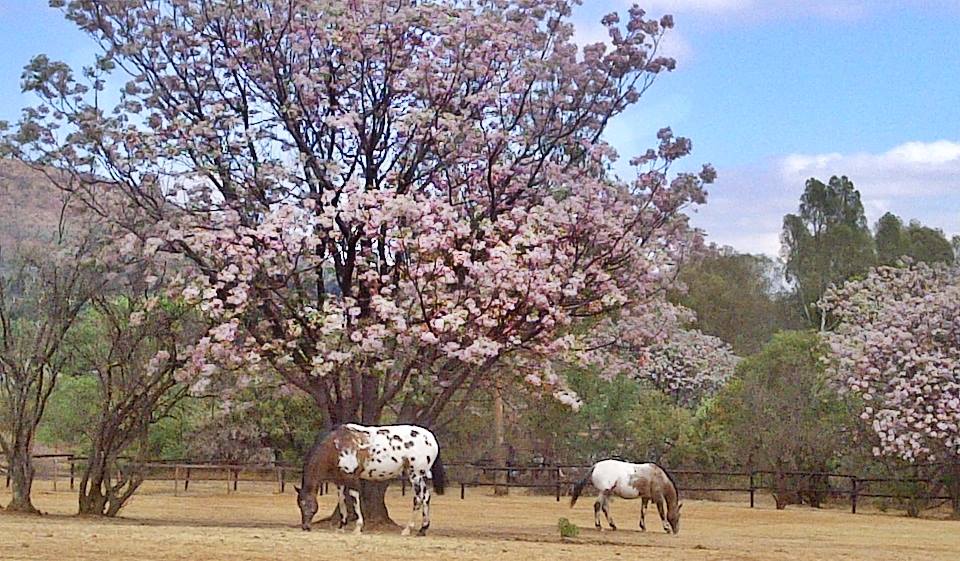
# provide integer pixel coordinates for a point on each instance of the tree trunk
(21, 479)
(953, 486)
(92, 499)
(499, 450)
(372, 504)
(99, 495)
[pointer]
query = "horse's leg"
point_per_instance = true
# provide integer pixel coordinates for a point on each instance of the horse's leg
(666, 525)
(606, 511)
(596, 510)
(342, 505)
(416, 482)
(643, 509)
(355, 494)
(425, 509)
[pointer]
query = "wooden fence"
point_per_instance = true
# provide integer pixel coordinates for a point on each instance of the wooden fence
(555, 479)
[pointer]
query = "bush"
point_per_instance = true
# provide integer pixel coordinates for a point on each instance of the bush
(568, 529)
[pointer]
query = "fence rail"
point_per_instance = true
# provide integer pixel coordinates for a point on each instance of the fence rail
(555, 478)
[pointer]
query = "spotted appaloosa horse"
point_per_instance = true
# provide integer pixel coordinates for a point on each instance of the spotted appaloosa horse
(351, 453)
(649, 482)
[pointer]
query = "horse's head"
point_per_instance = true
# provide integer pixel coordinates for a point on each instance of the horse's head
(673, 517)
(308, 507)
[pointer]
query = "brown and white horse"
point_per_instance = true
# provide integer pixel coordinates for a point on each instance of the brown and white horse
(351, 453)
(649, 482)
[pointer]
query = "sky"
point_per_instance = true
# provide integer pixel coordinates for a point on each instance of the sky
(772, 92)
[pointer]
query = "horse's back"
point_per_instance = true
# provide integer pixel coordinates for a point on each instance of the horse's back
(629, 480)
(612, 477)
(391, 448)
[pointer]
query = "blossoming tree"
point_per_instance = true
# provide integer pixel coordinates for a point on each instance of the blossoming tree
(382, 199)
(660, 349)
(897, 346)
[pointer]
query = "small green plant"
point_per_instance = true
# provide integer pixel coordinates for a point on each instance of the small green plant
(568, 529)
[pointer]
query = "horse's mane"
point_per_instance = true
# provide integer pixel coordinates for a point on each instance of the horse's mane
(321, 436)
(673, 481)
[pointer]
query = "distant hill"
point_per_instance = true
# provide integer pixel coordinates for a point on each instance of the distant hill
(30, 206)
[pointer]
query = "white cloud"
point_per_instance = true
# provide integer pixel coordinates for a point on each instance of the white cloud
(915, 180)
(909, 170)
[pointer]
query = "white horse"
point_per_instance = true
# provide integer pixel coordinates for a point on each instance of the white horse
(351, 453)
(649, 482)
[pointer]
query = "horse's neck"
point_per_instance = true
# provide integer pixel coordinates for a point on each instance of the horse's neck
(313, 470)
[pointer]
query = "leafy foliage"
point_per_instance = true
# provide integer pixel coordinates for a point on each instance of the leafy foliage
(780, 411)
(738, 298)
(916, 241)
(827, 242)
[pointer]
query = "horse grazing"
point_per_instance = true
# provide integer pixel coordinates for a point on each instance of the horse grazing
(649, 482)
(351, 453)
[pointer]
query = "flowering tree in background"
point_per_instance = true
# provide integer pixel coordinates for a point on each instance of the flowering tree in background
(658, 348)
(897, 346)
(688, 366)
(382, 199)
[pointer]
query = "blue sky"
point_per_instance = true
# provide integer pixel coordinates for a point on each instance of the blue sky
(770, 91)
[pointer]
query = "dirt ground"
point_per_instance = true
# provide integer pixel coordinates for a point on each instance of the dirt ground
(257, 523)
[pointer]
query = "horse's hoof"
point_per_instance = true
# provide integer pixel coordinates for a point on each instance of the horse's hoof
(405, 531)
(357, 531)
(613, 528)
(421, 532)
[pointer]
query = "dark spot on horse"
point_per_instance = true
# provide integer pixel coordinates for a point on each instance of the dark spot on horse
(394, 460)
(428, 459)
(423, 472)
(395, 437)
(383, 431)
(408, 444)
(414, 433)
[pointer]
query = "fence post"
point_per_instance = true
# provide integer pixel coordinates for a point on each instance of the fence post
(463, 490)
(236, 478)
(186, 481)
(853, 495)
(176, 482)
(280, 479)
(71, 472)
(753, 488)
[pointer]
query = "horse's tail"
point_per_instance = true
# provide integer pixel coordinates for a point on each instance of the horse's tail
(578, 487)
(438, 474)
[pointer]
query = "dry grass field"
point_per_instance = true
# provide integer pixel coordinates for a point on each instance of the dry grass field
(256, 523)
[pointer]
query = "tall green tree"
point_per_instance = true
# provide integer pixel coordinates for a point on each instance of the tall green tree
(891, 239)
(784, 390)
(826, 242)
(738, 298)
(929, 245)
(919, 242)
